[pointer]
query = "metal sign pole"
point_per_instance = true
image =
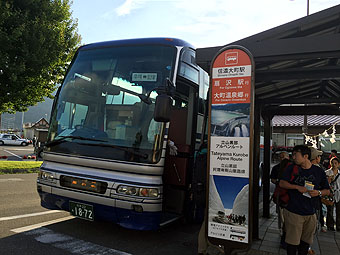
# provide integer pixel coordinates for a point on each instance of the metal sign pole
(230, 158)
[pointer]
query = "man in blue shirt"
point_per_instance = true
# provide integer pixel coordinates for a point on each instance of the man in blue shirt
(305, 183)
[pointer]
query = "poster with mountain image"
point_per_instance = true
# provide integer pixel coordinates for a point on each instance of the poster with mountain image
(228, 208)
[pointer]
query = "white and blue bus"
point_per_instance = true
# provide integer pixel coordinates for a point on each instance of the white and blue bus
(107, 156)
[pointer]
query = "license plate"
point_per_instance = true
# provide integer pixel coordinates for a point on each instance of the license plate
(82, 211)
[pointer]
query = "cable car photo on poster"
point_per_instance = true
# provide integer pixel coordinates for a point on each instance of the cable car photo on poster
(230, 143)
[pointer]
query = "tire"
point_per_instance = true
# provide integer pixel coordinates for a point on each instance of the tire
(2, 143)
(24, 144)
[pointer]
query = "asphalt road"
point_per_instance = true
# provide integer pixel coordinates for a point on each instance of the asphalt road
(27, 228)
(16, 152)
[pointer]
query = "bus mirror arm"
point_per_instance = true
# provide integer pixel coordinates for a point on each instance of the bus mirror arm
(145, 98)
(169, 89)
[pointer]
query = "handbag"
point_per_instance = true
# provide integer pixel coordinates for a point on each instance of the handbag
(327, 200)
(280, 195)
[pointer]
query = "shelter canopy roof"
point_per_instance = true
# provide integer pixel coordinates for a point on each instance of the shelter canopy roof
(298, 62)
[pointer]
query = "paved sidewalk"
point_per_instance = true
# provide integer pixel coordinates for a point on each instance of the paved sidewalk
(324, 243)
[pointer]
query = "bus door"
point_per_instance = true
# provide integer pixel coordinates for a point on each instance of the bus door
(182, 131)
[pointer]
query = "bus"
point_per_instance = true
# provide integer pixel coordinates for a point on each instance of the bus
(126, 124)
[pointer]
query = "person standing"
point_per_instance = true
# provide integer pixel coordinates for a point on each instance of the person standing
(332, 155)
(305, 183)
(315, 160)
(34, 140)
(334, 180)
(279, 205)
(274, 175)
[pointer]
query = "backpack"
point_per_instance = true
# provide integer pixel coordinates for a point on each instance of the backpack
(280, 196)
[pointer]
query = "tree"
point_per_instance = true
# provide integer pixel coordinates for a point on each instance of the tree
(38, 39)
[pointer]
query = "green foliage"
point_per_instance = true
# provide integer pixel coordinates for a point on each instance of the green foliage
(12, 166)
(38, 39)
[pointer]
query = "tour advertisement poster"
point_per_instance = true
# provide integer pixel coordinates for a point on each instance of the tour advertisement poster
(230, 146)
(228, 208)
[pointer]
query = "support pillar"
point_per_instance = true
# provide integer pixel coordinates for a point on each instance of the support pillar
(266, 170)
(256, 169)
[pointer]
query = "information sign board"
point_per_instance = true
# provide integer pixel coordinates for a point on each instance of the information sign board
(230, 146)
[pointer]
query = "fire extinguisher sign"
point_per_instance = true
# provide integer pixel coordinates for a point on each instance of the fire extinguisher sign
(230, 147)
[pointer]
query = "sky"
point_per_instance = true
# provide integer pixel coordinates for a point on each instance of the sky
(203, 23)
(228, 188)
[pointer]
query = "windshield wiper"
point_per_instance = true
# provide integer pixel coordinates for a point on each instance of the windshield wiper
(143, 155)
(63, 139)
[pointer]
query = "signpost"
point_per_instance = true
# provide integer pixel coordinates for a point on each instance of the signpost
(230, 148)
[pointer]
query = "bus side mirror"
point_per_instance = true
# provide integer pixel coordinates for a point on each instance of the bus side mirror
(162, 108)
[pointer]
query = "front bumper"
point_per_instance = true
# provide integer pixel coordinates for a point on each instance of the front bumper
(123, 217)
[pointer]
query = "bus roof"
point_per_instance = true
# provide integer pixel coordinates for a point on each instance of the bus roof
(138, 41)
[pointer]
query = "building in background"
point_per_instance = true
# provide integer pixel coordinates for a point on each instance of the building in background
(39, 129)
(11, 122)
(287, 130)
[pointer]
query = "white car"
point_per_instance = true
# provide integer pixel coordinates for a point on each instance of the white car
(12, 139)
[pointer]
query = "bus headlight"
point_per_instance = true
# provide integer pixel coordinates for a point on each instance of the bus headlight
(137, 191)
(46, 176)
(145, 192)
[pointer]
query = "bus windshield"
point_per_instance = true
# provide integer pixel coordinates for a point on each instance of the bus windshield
(99, 112)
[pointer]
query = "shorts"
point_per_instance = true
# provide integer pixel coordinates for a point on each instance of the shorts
(299, 227)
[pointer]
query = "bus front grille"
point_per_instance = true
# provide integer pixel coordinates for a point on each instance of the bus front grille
(83, 184)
